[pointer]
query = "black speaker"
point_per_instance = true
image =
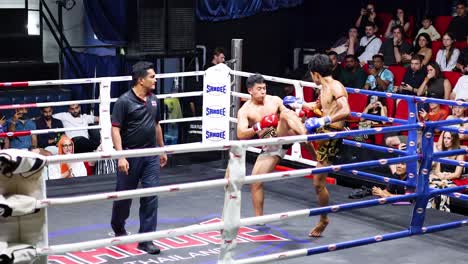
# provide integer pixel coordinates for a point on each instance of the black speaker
(13, 21)
(181, 25)
(151, 16)
(164, 26)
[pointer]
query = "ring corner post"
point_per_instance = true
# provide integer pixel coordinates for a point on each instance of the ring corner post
(236, 53)
(412, 144)
(104, 115)
(422, 181)
(232, 203)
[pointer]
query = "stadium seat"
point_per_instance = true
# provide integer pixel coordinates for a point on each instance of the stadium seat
(436, 46)
(441, 23)
(357, 103)
(384, 19)
(398, 73)
(452, 77)
(461, 45)
(390, 107)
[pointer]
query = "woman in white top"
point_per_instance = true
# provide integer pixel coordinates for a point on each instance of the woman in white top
(447, 56)
(70, 169)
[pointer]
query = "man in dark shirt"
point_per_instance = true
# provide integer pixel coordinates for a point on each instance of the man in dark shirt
(46, 121)
(459, 24)
(217, 57)
(394, 49)
(336, 66)
(462, 63)
(413, 78)
(399, 173)
(135, 125)
(352, 75)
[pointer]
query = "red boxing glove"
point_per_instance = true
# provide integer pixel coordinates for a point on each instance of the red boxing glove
(306, 112)
(267, 121)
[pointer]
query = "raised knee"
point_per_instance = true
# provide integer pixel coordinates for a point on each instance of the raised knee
(319, 188)
(256, 186)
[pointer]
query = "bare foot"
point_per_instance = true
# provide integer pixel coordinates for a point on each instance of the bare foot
(319, 228)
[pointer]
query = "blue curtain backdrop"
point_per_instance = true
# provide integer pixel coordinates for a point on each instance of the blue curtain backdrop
(109, 18)
(219, 10)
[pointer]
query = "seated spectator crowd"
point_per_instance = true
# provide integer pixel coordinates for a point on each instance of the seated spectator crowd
(75, 141)
(431, 63)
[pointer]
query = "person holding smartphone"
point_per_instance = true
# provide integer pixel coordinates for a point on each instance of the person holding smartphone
(414, 77)
(379, 79)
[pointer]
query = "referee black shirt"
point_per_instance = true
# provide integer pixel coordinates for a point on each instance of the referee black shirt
(136, 120)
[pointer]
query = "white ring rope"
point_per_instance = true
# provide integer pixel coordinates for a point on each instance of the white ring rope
(236, 166)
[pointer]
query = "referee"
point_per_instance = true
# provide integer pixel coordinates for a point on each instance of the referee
(135, 125)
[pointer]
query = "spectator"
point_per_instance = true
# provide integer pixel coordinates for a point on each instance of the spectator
(457, 112)
(70, 169)
(46, 121)
(377, 106)
(435, 113)
(423, 46)
(396, 50)
(461, 89)
(459, 24)
(346, 45)
(399, 19)
(462, 63)
(399, 173)
(414, 77)
(435, 85)
(336, 71)
(218, 56)
(429, 29)
(369, 44)
(352, 75)
(380, 78)
(368, 15)
(447, 57)
(20, 122)
(443, 175)
(74, 118)
(3, 129)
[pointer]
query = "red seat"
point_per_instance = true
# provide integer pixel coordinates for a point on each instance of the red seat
(398, 73)
(357, 103)
(308, 94)
(436, 46)
(410, 32)
(365, 67)
(461, 45)
(390, 107)
(452, 77)
(384, 19)
(401, 112)
(441, 23)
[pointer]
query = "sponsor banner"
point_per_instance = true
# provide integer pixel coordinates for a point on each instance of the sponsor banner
(184, 248)
(216, 104)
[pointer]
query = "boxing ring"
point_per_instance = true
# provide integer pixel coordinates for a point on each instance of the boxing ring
(217, 84)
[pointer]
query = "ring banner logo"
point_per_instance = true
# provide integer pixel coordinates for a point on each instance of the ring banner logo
(215, 135)
(216, 103)
(216, 90)
(216, 111)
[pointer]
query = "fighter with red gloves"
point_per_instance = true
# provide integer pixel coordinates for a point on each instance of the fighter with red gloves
(265, 116)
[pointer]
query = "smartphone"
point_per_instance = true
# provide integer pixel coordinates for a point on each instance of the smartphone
(404, 84)
(371, 64)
